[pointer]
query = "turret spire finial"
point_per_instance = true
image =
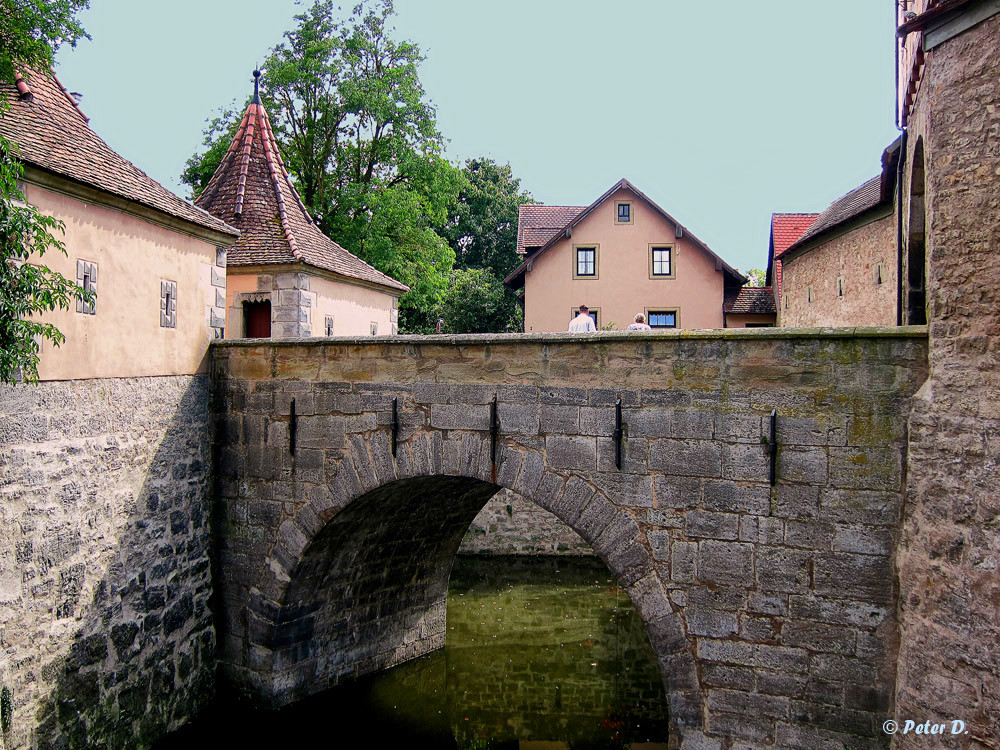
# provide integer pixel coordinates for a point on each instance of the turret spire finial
(256, 87)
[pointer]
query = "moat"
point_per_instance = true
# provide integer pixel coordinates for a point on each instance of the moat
(538, 650)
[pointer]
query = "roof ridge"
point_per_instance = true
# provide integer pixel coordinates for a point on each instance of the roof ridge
(267, 137)
(69, 96)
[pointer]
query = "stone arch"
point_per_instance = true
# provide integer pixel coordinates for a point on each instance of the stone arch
(365, 565)
(915, 278)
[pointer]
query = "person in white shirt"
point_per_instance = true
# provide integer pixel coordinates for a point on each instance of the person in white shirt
(582, 323)
(640, 324)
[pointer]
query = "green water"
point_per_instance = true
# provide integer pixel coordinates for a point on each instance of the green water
(539, 650)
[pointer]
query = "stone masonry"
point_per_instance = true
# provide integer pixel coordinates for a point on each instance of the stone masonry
(772, 609)
(105, 634)
(510, 525)
(949, 666)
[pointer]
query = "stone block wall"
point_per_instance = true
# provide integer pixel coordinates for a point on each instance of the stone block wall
(849, 280)
(105, 634)
(949, 666)
(511, 525)
(772, 609)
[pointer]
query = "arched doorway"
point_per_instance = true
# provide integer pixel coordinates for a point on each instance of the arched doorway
(915, 296)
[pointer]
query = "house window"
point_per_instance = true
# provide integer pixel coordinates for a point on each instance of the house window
(328, 325)
(662, 318)
(624, 215)
(86, 276)
(374, 328)
(585, 262)
(661, 265)
(168, 304)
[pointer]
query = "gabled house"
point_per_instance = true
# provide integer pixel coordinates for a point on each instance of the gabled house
(842, 270)
(285, 278)
(156, 262)
(621, 255)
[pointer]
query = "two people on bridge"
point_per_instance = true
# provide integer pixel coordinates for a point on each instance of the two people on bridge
(584, 322)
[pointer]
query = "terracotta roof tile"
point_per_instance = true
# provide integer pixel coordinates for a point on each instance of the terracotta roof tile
(252, 191)
(844, 209)
(785, 229)
(52, 134)
(537, 224)
(750, 300)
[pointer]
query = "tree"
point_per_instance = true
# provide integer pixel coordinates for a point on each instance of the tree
(756, 277)
(478, 302)
(482, 224)
(27, 289)
(30, 32)
(360, 140)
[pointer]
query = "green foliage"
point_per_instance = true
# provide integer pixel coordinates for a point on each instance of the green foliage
(478, 302)
(360, 140)
(26, 289)
(756, 277)
(482, 224)
(219, 133)
(32, 30)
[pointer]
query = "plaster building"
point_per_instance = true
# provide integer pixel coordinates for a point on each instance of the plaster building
(841, 271)
(620, 255)
(156, 262)
(285, 277)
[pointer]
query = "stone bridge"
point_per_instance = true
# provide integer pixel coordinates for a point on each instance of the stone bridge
(349, 470)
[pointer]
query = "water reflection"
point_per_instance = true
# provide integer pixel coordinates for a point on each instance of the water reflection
(541, 653)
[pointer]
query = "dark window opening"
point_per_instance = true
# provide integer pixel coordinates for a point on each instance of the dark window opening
(624, 213)
(586, 261)
(257, 319)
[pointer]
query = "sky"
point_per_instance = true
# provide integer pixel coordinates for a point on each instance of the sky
(721, 112)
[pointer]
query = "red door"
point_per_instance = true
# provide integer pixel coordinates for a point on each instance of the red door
(258, 319)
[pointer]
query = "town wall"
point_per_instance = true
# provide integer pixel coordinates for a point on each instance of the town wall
(949, 666)
(105, 634)
(849, 280)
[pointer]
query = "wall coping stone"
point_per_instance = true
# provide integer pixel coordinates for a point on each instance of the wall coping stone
(465, 339)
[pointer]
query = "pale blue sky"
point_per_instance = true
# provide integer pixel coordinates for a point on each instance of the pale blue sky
(722, 112)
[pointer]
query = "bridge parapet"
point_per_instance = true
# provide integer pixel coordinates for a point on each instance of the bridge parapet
(772, 608)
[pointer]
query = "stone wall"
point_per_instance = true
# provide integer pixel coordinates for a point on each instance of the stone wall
(105, 635)
(849, 280)
(949, 666)
(511, 525)
(771, 609)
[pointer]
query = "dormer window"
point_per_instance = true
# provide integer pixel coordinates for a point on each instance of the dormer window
(624, 210)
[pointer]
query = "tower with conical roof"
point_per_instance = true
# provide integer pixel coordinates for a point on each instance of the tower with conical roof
(284, 276)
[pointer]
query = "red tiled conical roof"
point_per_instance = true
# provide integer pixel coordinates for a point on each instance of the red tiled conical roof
(252, 191)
